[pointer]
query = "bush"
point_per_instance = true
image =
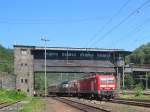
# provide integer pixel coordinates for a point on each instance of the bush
(138, 89)
(34, 105)
(11, 95)
(129, 81)
(123, 92)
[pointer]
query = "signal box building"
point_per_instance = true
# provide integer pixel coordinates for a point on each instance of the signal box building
(30, 59)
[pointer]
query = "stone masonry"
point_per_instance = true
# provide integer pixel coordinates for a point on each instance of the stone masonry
(23, 61)
(7, 80)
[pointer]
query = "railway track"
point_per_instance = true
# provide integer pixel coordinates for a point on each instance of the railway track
(6, 104)
(131, 102)
(81, 106)
(145, 101)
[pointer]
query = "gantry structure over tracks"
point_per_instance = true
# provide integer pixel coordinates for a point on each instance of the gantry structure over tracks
(30, 59)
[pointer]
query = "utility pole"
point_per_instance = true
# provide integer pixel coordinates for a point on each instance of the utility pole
(123, 77)
(67, 55)
(45, 40)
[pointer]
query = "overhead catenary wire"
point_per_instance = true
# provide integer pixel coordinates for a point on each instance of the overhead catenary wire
(48, 21)
(134, 31)
(121, 22)
(108, 22)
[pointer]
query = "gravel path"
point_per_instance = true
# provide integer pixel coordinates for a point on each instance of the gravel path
(52, 105)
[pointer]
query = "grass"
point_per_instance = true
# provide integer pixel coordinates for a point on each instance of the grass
(35, 105)
(141, 97)
(11, 95)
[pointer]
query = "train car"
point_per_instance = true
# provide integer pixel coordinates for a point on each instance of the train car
(97, 86)
(73, 88)
(107, 86)
(63, 88)
(53, 89)
(60, 89)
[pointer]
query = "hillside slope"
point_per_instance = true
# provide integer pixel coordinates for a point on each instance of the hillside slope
(140, 55)
(6, 59)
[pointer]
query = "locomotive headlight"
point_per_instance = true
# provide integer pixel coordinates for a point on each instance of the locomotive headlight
(102, 86)
(111, 86)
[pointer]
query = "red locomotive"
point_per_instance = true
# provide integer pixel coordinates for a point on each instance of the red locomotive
(95, 86)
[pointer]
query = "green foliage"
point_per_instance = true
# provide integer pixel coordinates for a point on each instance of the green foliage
(39, 82)
(11, 95)
(34, 105)
(6, 59)
(123, 92)
(140, 55)
(129, 81)
(138, 90)
(132, 97)
(53, 78)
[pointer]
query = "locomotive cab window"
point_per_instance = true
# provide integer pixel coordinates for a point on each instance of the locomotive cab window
(107, 80)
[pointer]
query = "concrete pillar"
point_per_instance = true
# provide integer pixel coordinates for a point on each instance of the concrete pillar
(146, 81)
(61, 76)
(118, 82)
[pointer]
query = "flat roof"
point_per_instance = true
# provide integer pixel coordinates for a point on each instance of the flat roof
(73, 49)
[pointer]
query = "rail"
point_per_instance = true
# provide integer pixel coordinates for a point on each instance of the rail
(7, 104)
(81, 106)
(131, 102)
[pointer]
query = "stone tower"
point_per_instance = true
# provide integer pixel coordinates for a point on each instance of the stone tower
(23, 60)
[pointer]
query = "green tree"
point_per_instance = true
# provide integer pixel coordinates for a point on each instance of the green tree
(129, 81)
(138, 89)
(140, 55)
(6, 60)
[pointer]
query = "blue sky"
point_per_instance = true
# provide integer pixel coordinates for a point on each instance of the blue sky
(75, 23)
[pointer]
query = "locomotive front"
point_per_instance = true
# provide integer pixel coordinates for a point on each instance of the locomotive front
(106, 86)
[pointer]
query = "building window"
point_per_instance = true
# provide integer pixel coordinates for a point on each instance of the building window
(28, 90)
(24, 51)
(26, 64)
(21, 80)
(26, 81)
(21, 64)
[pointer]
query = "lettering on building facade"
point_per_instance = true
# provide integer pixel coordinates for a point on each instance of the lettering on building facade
(72, 55)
